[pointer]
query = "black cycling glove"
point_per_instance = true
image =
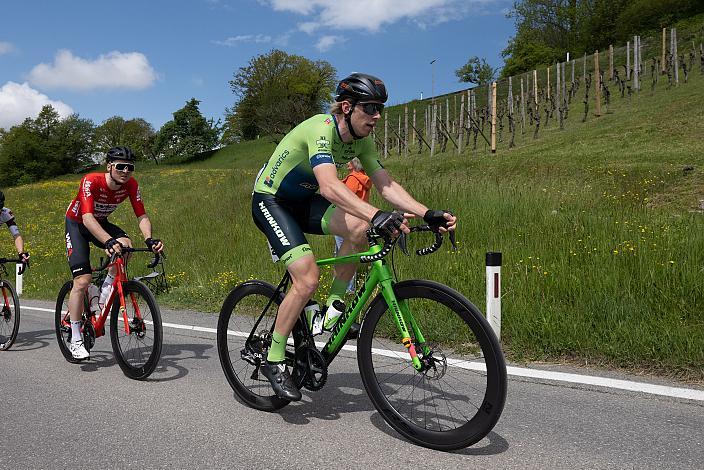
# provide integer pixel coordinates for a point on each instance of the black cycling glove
(110, 245)
(386, 223)
(24, 256)
(152, 242)
(436, 219)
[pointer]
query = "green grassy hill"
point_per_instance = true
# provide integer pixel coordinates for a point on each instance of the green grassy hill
(599, 224)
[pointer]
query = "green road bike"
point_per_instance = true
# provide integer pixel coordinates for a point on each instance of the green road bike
(429, 361)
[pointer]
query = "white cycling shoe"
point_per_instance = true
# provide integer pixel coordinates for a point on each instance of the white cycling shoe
(78, 350)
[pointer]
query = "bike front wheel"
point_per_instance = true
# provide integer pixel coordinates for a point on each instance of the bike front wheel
(458, 395)
(243, 344)
(9, 316)
(137, 345)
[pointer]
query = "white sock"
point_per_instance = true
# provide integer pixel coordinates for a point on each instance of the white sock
(76, 331)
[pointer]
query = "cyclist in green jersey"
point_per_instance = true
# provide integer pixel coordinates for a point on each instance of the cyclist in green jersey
(297, 191)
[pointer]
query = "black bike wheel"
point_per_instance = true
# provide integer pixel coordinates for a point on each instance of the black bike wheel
(9, 316)
(240, 361)
(137, 352)
(459, 396)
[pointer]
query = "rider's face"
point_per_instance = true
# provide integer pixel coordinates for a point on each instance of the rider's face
(364, 123)
(120, 170)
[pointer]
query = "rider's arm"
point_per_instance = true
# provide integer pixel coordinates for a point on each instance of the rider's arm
(336, 192)
(19, 243)
(136, 200)
(145, 226)
(394, 193)
(93, 226)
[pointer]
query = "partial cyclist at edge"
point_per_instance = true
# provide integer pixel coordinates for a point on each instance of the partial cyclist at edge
(87, 221)
(297, 191)
(7, 217)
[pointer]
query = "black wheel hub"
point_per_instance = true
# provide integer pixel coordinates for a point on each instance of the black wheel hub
(138, 327)
(434, 363)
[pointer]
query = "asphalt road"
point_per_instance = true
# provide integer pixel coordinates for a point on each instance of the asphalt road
(59, 415)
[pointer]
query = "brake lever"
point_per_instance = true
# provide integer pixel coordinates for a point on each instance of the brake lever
(453, 240)
(403, 243)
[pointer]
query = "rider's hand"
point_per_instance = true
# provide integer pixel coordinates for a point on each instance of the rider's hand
(389, 224)
(441, 221)
(24, 256)
(154, 244)
(112, 246)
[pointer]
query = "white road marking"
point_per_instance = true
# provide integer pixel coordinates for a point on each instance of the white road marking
(675, 392)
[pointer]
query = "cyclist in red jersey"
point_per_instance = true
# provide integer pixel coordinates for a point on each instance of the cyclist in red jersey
(87, 221)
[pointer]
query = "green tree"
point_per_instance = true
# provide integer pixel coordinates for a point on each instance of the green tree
(276, 91)
(45, 147)
(476, 71)
(137, 134)
(187, 134)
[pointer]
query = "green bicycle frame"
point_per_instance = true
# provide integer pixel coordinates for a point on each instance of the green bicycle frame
(378, 275)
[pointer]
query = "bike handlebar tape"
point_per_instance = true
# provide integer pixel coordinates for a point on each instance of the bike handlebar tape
(493, 291)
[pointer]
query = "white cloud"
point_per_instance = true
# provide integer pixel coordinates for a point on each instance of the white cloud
(325, 43)
(235, 40)
(112, 70)
(6, 47)
(370, 15)
(18, 102)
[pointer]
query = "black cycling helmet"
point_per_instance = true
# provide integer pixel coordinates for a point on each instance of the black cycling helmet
(120, 153)
(2, 199)
(361, 87)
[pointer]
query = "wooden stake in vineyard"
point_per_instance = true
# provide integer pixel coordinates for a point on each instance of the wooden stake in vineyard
(662, 61)
(493, 117)
(597, 84)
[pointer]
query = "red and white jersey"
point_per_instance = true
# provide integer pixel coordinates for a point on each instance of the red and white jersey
(95, 197)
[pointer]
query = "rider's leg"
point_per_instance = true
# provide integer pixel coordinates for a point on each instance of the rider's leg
(304, 282)
(353, 231)
(75, 299)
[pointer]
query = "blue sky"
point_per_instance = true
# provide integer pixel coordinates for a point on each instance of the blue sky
(147, 58)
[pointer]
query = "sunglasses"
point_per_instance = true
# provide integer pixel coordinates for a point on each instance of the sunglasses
(371, 108)
(125, 167)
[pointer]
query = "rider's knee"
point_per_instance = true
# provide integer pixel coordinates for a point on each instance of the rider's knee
(307, 284)
(81, 282)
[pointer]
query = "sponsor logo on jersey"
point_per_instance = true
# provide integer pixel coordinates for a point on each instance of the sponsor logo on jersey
(69, 245)
(274, 225)
(86, 188)
(275, 168)
(268, 182)
(323, 144)
(328, 121)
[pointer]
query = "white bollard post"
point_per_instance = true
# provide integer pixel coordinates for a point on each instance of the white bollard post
(18, 279)
(493, 291)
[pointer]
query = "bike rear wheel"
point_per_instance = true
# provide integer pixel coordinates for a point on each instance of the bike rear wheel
(9, 315)
(240, 359)
(137, 352)
(459, 395)
(62, 324)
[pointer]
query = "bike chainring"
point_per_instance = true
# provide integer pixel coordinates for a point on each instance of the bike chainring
(88, 334)
(310, 369)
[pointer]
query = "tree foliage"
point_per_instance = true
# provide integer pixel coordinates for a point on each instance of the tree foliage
(476, 71)
(546, 30)
(137, 134)
(187, 134)
(44, 147)
(276, 91)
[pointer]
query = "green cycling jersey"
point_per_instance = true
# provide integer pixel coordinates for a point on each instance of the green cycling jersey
(289, 172)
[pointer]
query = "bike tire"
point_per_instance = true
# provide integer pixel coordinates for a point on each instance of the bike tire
(237, 319)
(468, 339)
(138, 352)
(9, 316)
(62, 323)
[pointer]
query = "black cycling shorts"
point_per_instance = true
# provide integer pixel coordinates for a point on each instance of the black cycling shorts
(77, 248)
(284, 222)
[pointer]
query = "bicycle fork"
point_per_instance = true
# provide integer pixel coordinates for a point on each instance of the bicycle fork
(402, 315)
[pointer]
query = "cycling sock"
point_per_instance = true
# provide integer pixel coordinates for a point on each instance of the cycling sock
(337, 291)
(277, 350)
(76, 331)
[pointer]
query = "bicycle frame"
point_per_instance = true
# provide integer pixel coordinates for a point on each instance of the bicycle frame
(379, 275)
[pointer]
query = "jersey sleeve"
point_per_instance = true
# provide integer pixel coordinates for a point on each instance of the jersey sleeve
(85, 196)
(136, 198)
(368, 156)
(8, 218)
(319, 141)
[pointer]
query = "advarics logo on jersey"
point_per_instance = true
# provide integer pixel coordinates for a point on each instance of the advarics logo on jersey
(279, 161)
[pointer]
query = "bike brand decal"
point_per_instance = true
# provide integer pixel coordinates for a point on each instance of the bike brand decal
(277, 230)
